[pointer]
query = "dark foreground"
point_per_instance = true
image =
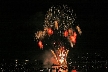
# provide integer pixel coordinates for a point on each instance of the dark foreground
(36, 66)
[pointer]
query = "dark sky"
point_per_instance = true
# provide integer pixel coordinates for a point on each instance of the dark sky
(17, 29)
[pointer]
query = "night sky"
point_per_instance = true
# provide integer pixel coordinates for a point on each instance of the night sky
(19, 20)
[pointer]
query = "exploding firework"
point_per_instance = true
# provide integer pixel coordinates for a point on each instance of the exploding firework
(60, 55)
(60, 28)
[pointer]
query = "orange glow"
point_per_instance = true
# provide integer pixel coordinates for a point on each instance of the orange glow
(40, 44)
(66, 33)
(50, 31)
(73, 39)
(75, 34)
(73, 71)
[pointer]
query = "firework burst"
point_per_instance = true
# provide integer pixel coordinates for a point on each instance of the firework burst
(60, 28)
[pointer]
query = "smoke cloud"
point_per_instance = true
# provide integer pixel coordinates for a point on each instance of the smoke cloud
(48, 59)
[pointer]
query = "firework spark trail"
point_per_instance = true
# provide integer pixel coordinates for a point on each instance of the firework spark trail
(55, 56)
(79, 30)
(66, 56)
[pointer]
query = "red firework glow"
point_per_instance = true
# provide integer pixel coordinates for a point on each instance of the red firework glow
(73, 37)
(50, 31)
(66, 33)
(40, 44)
